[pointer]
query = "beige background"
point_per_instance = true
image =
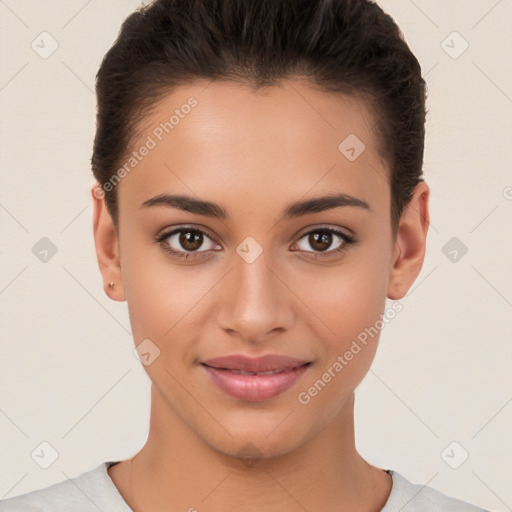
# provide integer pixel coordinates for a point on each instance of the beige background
(68, 376)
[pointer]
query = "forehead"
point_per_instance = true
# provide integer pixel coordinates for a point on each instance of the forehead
(220, 136)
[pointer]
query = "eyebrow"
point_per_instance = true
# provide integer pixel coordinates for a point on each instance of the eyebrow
(294, 210)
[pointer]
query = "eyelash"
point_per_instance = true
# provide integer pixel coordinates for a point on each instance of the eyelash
(348, 241)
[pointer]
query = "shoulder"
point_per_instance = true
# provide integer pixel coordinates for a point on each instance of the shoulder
(408, 497)
(88, 492)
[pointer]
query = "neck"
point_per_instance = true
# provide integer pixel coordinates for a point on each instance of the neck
(328, 473)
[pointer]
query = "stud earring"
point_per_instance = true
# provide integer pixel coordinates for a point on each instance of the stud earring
(111, 285)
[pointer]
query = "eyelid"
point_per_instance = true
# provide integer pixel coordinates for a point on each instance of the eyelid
(315, 227)
(168, 231)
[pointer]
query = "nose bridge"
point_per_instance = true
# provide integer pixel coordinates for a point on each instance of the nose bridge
(256, 303)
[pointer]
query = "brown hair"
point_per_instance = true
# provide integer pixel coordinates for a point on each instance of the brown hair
(348, 46)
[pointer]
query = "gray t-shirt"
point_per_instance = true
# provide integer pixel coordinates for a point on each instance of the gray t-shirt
(94, 490)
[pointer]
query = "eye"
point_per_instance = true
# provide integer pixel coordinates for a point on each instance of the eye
(190, 243)
(185, 242)
(321, 239)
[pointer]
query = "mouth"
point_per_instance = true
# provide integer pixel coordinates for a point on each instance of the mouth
(242, 372)
(255, 379)
(273, 363)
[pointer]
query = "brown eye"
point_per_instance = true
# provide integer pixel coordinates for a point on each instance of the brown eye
(325, 240)
(320, 241)
(190, 240)
(186, 241)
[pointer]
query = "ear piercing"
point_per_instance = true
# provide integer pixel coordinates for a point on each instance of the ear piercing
(111, 285)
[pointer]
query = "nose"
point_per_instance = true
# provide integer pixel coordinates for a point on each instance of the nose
(256, 303)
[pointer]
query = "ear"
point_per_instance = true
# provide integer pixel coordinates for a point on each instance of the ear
(107, 245)
(410, 243)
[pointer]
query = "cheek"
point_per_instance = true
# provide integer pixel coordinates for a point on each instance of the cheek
(151, 291)
(164, 299)
(346, 299)
(360, 300)
(346, 306)
(351, 309)
(351, 312)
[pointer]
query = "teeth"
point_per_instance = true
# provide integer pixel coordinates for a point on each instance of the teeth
(270, 372)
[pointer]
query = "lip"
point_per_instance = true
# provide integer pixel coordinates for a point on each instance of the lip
(257, 387)
(255, 364)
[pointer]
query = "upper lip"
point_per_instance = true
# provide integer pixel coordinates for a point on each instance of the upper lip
(255, 364)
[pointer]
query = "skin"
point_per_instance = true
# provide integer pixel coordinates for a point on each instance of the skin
(254, 153)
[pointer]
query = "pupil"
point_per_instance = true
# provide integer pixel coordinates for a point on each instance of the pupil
(323, 239)
(189, 239)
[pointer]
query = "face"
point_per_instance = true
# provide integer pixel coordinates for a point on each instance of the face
(255, 273)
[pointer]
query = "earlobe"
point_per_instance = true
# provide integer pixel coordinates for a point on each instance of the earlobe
(410, 245)
(107, 246)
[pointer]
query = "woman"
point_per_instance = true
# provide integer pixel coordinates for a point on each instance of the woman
(259, 196)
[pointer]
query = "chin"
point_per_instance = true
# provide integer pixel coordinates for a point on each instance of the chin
(250, 445)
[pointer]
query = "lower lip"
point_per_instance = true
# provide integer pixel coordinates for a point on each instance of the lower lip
(255, 388)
